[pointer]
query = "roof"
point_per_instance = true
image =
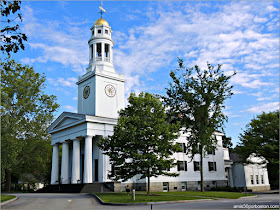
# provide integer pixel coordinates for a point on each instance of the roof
(100, 22)
(235, 157)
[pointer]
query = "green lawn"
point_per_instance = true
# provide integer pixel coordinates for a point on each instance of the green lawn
(214, 194)
(141, 197)
(6, 197)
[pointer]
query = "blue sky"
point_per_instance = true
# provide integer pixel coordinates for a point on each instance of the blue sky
(149, 36)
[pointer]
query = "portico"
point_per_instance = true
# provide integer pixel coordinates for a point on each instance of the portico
(77, 135)
(100, 97)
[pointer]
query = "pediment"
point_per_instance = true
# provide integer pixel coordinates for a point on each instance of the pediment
(65, 120)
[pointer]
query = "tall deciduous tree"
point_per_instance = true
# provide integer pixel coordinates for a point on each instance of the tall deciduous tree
(142, 142)
(261, 136)
(11, 37)
(227, 143)
(25, 114)
(196, 98)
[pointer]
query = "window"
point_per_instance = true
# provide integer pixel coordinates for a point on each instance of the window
(262, 180)
(184, 186)
(165, 186)
(257, 179)
(182, 165)
(211, 152)
(92, 32)
(107, 54)
(106, 31)
(182, 146)
(212, 166)
(99, 31)
(196, 166)
(252, 179)
(98, 49)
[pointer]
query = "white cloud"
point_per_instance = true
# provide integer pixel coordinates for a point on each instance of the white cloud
(64, 82)
(70, 108)
(271, 9)
(65, 45)
(75, 98)
(268, 98)
(231, 36)
(264, 107)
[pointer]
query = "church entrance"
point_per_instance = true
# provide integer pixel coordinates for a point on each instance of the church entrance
(96, 170)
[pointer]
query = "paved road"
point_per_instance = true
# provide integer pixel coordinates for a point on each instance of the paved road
(52, 201)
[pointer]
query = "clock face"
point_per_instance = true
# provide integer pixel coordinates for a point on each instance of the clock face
(86, 92)
(110, 90)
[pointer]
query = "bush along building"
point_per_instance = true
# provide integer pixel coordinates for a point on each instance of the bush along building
(100, 97)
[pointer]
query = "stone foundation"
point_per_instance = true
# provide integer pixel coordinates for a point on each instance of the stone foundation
(173, 186)
(258, 188)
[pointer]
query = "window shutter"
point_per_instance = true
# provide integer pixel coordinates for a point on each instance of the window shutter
(215, 169)
(209, 166)
(178, 166)
(186, 165)
(184, 145)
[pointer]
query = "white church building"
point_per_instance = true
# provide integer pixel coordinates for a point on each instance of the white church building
(100, 97)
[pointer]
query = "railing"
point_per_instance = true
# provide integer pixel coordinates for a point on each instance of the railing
(98, 59)
(106, 59)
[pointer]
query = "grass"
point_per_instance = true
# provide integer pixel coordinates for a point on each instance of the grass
(6, 197)
(212, 194)
(141, 197)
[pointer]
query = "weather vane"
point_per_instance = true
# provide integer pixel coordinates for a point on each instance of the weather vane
(102, 10)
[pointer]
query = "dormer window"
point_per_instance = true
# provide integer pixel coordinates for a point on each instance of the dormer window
(92, 33)
(106, 31)
(99, 31)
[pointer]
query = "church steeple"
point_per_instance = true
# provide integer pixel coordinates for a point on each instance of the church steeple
(101, 88)
(101, 46)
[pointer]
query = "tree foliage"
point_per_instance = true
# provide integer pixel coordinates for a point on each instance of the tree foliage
(227, 143)
(142, 142)
(261, 136)
(11, 37)
(196, 98)
(25, 114)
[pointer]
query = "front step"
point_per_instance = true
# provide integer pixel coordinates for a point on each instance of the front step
(75, 188)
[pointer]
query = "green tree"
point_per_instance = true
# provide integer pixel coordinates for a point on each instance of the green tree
(142, 142)
(25, 114)
(196, 98)
(227, 143)
(11, 37)
(261, 136)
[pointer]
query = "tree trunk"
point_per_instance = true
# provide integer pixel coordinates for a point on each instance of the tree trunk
(201, 171)
(8, 180)
(149, 185)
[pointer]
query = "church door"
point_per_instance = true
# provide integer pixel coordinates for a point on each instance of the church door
(96, 170)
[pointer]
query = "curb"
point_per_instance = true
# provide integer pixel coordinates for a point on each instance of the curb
(148, 203)
(253, 196)
(8, 201)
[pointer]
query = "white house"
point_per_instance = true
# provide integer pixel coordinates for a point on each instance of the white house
(100, 96)
(251, 175)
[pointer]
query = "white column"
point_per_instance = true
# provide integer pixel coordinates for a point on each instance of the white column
(94, 51)
(76, 162)
(111, 53)
(65, 164)
(103, 51)
(55, 164)
(88, 160)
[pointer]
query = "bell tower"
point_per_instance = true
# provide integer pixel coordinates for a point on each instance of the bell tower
(101, 89)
